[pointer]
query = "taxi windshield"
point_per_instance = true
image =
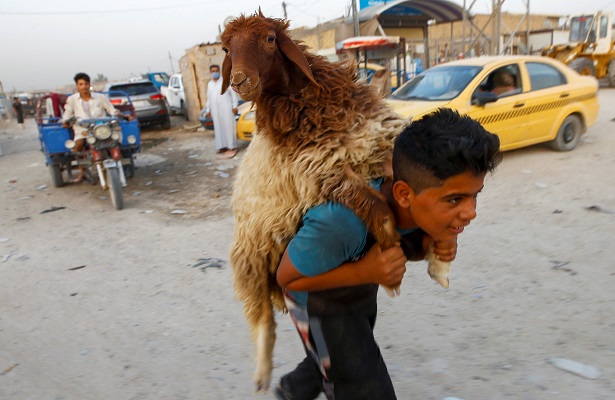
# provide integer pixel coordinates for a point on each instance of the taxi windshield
(438, 83)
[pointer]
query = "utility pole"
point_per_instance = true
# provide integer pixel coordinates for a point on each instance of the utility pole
(171, 61)
(355, 17)
(284, 8)
(527, 29)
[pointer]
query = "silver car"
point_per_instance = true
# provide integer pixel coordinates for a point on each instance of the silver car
(150, 105)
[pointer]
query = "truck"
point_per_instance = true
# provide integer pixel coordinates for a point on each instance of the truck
(590, 48)
(159, 79)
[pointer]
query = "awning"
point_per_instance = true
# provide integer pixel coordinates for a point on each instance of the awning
(438, 10)
(368, 43)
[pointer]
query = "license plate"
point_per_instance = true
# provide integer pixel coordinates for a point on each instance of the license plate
(140, 103)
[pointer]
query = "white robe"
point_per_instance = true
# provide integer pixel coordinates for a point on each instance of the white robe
(221, 108)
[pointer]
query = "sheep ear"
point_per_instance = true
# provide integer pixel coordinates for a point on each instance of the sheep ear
(294, 54)
(227, 66)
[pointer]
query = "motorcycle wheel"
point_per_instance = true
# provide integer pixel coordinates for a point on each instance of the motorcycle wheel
(56, 175)
(115, 188)
(129, 170)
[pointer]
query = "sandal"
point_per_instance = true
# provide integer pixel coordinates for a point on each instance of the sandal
(231, 153)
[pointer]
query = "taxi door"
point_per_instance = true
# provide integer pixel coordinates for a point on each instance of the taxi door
(547, 94)
(506, 116)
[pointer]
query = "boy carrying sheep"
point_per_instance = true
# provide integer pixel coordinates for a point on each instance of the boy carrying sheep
(331, 269)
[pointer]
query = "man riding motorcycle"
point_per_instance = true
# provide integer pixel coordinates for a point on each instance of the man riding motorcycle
(86, 105)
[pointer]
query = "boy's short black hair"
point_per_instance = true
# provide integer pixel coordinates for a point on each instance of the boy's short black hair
(440, 145)
(82, 75)
(214, 66)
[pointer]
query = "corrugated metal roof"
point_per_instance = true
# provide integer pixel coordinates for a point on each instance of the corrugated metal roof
(439, 10)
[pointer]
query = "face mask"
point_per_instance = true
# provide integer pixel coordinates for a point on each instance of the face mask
(215, 75)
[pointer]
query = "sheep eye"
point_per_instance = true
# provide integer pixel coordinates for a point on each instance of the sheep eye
(224, 49)
(270, 39)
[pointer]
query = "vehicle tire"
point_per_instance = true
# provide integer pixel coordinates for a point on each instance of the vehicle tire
(171, 111)
(184, 110)
(166, 124)
(56, 175)
(584, 66)
(115, 188)
(129, 170)
(568, 135)
(610, 74)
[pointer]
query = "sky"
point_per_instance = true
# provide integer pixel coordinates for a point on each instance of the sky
(44, 43)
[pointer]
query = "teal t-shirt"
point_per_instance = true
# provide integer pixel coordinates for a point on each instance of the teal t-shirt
(330, 235)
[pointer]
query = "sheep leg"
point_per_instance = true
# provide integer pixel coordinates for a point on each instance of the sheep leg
(263, 334)
(437, 270)
(373, 209)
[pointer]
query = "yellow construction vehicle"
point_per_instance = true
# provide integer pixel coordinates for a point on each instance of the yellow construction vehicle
(590, 48)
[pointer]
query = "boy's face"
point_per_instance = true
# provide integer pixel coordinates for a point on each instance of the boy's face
(444, 211)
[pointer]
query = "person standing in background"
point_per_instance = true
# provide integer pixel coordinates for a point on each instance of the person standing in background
(222, 109)
(18, 109)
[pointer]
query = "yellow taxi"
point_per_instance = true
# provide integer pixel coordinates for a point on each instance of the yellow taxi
(523, 99)
(246, 121)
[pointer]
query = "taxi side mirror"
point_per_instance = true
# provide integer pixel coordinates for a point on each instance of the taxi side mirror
(482, 98)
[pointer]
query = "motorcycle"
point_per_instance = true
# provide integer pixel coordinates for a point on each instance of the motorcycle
(108, 158)
(103, 156)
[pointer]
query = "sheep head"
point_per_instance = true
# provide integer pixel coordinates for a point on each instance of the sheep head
(261, 57)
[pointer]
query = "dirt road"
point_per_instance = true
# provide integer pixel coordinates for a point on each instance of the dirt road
(138, 304)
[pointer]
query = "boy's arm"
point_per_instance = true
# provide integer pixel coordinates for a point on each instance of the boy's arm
(381, 267)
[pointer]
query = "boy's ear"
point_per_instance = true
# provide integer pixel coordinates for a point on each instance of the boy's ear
(403, 193)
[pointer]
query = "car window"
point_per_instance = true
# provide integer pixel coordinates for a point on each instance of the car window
(439, 83)
(503, 81)
(175, 82)
(134, 89)
(604, 26)
(544, 76)
(579, 27)
(161, 78)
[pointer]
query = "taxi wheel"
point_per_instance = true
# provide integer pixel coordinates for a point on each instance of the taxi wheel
(568, 135)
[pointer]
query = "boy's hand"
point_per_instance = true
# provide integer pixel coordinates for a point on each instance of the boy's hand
(385, 267)
(445, 250)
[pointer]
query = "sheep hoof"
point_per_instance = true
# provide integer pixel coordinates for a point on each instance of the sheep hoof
(262, 380)
(393, 292)
(438, 270)
(442, 280)
(261, 388)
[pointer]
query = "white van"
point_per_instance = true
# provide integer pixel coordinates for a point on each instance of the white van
(175, 95)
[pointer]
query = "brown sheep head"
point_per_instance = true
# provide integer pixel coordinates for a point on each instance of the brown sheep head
(261, 57)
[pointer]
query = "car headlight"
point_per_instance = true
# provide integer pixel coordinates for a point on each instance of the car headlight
(132, 139)
(102, 131)
(69, 144)
(250, 115)
(115, 136)
(91, 139)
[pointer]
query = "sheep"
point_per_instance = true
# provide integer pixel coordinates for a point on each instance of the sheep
(321, 135)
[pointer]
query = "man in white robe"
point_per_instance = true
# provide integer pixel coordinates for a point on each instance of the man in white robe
(222, 109)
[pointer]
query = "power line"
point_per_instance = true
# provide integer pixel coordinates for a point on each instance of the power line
(129, 10)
